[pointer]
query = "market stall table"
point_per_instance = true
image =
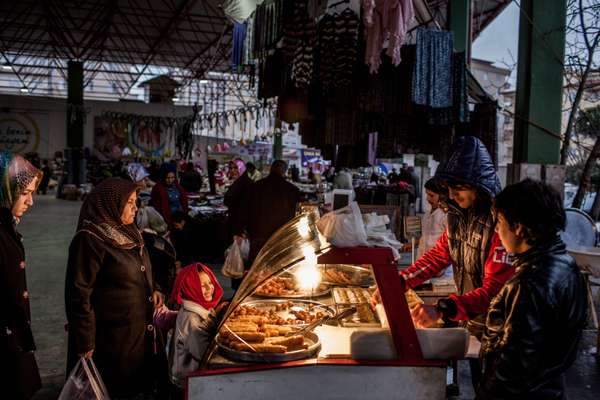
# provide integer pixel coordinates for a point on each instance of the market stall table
(355, 360)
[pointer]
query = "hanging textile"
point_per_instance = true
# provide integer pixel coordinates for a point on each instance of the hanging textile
(267, 27)
(240, 10)
(337, 48)
(432, 79)
(247, 58)
(239, 39)
(299, 41)
(272, 75)
(458, 112)
(484, 126)
(385, 20)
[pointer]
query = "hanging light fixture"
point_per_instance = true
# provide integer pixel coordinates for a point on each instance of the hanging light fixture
(24, 89)
(6, 66)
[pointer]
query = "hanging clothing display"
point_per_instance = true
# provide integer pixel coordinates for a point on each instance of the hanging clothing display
(432, 79)
(239, 39)
(458, 112)
(385, 20)
(267, 27)
(240, 10)
(248, 43)
(299, 41)
(338, 47)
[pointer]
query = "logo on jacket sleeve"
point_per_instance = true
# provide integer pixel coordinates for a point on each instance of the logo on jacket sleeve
(502, 256)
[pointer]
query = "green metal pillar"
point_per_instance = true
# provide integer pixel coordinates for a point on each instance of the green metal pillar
(459, 22)
(538, 105)
(75, 122)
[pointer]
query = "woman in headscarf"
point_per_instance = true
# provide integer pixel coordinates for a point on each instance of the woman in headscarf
(110, 294)
(167, 195)
(138, 174)
(20, 377)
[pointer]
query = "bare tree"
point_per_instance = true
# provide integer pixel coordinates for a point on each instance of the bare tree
(588, 124)
(582, 46)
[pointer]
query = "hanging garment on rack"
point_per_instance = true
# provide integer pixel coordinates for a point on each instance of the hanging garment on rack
(385, 20)
(458, 112)
(327, 42)
(432, 79)
(337, 48)
(239, 38)
(302, 34)
(249, 43)
(267, 27)
(240, 10)
(346, 53)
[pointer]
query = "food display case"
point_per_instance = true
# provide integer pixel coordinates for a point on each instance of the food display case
(266, 345)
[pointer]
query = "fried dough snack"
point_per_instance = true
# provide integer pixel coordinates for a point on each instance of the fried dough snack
(333, 275)
(259, 347)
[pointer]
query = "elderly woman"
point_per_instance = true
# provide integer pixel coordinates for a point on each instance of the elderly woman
(110, 293)
(167, 195)
(20, 378)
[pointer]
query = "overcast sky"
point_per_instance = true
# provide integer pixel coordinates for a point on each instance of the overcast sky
(500, 39)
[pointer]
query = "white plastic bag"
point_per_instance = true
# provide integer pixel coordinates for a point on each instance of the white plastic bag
(84, 383)
(344, 227)
(148, 218)
(234, 264)
(245, 249)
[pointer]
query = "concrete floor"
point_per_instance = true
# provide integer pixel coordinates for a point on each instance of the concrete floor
(48, 228)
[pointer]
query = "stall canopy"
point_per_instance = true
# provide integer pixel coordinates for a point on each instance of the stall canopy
(119, 39)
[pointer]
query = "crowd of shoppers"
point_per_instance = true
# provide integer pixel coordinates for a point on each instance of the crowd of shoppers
(519, 292)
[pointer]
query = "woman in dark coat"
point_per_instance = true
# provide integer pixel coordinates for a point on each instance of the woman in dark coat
(110, 293)
(167, 195)
(20, 378)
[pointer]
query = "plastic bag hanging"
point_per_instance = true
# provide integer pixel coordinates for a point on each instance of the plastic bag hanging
(84, 383)
(234, 264)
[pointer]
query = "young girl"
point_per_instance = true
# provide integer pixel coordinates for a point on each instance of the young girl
(198, 291)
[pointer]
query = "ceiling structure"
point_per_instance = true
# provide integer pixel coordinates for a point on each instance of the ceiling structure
(126, 42)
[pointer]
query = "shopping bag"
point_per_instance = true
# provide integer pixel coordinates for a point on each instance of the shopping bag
(84, 383)
(245, 249)
(234, 264)
(344, 227)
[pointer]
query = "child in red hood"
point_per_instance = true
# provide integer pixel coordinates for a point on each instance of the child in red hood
(199, 293)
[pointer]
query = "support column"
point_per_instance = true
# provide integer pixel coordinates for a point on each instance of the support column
(277, 145)
(75, 123)
(459, 22)
(539, 81)
(277, 141)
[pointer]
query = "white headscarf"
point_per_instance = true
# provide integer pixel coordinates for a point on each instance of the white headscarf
(137, 172)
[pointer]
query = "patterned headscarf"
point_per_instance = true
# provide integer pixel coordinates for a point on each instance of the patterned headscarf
(101, 214)
(16, 173)
(137, 172)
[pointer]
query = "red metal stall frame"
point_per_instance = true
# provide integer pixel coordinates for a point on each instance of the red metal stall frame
(391, 288)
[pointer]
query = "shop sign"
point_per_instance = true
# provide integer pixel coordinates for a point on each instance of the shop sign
(311, 156)
(19, 133)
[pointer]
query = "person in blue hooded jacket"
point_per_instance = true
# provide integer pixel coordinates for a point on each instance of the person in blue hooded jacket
(480, 263)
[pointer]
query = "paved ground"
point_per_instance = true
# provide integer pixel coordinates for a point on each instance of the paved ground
(48, 229)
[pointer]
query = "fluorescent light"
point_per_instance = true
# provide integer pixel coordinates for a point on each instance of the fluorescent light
(6, 66)
(203, 81)
(176, 98)
(24, 89)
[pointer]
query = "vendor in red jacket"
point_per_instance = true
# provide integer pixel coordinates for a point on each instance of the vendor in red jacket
(167, 195)
(479, 262)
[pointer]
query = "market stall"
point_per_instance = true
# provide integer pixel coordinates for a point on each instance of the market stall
(260, 350)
